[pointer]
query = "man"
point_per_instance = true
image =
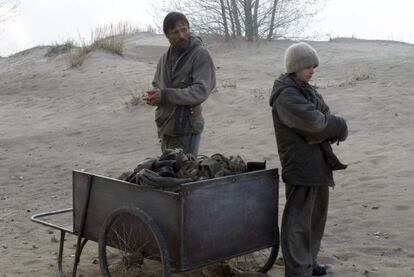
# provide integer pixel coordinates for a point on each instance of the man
(184, 78)
(304, 129)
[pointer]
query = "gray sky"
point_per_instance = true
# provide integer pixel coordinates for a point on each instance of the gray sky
(43, 22)
(371, 19)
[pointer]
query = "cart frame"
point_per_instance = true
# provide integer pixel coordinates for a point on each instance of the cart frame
(200, 224)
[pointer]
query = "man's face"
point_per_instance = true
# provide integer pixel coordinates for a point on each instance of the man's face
(305, 74)
(179, 36)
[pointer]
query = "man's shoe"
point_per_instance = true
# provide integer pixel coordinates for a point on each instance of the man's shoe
(319, 270)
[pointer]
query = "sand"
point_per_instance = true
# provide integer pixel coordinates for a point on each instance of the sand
(55, 119)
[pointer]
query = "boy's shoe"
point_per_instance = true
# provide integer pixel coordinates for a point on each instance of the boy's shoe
(319, 270)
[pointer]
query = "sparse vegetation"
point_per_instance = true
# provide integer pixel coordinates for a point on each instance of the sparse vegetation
(261, 94)
(362, 76)
(214, 91)
(109, 38)
(357, 76)
(135, 93)
(229, 84)
(59, 49)
(135, 99)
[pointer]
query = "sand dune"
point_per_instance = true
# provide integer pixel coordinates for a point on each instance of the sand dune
(55, 119)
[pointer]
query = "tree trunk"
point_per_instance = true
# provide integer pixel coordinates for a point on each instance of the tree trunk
(272, 21)
(255, 23)
(224, 17)
(233, 30)
(248, 24)
(235, 11)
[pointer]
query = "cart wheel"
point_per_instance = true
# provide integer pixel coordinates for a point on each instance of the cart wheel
(131, 244)
(259, 261)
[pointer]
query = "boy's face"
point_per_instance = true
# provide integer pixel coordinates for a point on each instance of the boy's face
(179, 36)
(305, 74)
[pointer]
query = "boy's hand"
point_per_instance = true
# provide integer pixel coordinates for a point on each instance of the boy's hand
(340, 138)
(343, 136)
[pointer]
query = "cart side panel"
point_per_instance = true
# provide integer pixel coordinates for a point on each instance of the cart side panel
(229, 216)
(108, 194)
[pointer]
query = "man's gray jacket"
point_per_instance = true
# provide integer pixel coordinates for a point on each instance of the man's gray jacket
(304, 126)
(185, 80)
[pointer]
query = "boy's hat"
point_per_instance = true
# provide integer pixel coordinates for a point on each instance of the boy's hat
(300, 55)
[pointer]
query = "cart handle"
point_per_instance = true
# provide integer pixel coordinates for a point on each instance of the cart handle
(37, 218)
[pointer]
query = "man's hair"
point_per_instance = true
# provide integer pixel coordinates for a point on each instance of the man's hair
(171, 20)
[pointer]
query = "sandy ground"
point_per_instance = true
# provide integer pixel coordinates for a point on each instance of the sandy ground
(55, 119)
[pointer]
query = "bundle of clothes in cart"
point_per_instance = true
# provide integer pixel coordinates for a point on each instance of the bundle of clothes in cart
(174, 167)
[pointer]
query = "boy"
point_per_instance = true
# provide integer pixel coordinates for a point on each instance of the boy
(304, 129)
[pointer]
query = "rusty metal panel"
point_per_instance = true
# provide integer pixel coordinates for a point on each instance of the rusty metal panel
(207, 221)
(108, 194)
(229, 216)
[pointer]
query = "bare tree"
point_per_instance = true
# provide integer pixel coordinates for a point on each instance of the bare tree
(224, 17)
(292, 17)
(8, 9)
(255, 19)
(235, 12)
(233, 27)
(255, 22)
(272, 20)
(248, 19)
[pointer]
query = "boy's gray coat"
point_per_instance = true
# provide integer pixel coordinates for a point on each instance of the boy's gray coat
(304, 126)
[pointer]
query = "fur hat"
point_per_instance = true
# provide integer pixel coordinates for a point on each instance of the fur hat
(300, 55)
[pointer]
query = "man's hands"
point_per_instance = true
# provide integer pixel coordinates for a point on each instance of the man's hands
(153, 97)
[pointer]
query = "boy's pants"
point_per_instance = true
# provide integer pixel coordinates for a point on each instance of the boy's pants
(303, 225)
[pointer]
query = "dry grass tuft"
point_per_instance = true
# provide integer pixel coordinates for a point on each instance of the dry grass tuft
(59, 49)
(229, 83)
(135, 99)
(136, 93)
(261, 94)
(357, 76)
(110, 38)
